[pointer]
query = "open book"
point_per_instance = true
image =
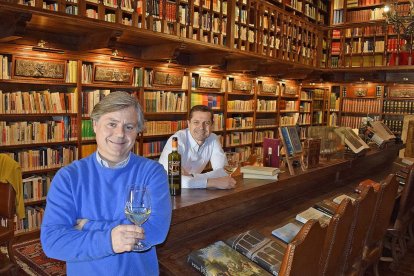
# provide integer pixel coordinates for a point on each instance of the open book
(312, 213)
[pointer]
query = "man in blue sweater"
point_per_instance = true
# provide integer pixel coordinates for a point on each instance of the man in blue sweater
(84, 222)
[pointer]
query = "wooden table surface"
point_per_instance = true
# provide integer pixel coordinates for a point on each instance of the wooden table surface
(202, 216)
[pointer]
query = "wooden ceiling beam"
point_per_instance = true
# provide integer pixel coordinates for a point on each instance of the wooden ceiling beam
(168, 51)
(13, 25)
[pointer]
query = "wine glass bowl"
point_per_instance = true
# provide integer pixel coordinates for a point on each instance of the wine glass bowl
(137, 210)
(232, 162)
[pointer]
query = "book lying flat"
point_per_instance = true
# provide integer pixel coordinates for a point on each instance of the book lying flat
(220, 259)
(312, 213)
(287, 232)
(259, 176)
(339, 199)
(262, 250)
(259, 170)
(327, 206)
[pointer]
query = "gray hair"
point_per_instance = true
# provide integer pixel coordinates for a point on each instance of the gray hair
(116, 101)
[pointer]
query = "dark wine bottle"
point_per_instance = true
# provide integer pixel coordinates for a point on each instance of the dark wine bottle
(174, 169)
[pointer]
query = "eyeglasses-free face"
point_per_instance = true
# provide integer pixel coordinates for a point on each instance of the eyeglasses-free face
(200, 126)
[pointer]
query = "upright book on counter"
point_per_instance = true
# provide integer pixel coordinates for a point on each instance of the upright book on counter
(220, 259)
(265, 252)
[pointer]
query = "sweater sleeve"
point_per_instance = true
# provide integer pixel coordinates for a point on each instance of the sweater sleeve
(58, 235)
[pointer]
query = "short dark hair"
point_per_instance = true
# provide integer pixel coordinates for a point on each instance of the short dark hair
(201, 108)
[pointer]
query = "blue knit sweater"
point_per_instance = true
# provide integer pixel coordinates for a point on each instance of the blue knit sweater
(85, 189)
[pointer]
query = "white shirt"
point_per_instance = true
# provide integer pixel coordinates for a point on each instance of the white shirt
(194, 158)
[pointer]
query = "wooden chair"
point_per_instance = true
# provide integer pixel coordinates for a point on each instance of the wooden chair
(333, 253)
(400, 228)
(385, 204)
(7, 212)
(303, 254)
(364, 206)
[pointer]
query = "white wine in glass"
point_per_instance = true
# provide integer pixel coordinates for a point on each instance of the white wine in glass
(138, 210)
(232, 162)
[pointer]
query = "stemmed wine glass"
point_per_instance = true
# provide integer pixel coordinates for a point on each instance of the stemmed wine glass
(138, 210)
(232, 162)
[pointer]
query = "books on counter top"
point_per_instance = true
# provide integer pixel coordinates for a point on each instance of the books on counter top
(266, 252)
(327, 206)
(312, 213)
(287, 232)
(260, 176)
(259, 170)
(220, 259)
(339, 198)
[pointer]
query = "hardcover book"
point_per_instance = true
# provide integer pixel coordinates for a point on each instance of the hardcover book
(264, 251)
(339, 199)
(353, 141)
(259, 170)
(260, 176)
(288, 142)
(271, 152)
(326, 206)
(287, 232)
(312, 213)
(311, 152)
(220, 259)
(382, 130)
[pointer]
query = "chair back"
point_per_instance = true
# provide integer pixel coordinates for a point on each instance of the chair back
(302, 255)
(7, 201)
(364, 212)
(406, 205)
(334, 250)
(385, 204)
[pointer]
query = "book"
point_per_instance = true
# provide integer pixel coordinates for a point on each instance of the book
(259, 170)
(311, 152)
(271, 152)
(352, 140)
(339, 199)
(287, 232)
(312, 213)
(286, 139)
(295, 140)
(327, 206)
(382, 130)
(262, 250)
(220, 259)
(259, 176)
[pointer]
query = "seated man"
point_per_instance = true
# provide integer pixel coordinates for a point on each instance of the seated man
(197, 146)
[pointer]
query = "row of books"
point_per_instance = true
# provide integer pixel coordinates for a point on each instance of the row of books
(163, 127)
(239, 138)
(289, 119)
(239, 122)
(27, 132)
(266, 105)
(87, 131)
(240, 105)
(36, 187)
(45, 157)
(361, 105)
(90, 98)
(162, 101)
(32, 102)
(151, 149)
(405, 107)
(210, 100)
(32, 221)
(395, 124)
(5, 67)
(260, 135)
(365, 15)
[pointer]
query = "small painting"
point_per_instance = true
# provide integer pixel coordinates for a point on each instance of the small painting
(209, 82)
(242, 85)
(270, 88)
(36, 68)
(112, 74)
(167, 78)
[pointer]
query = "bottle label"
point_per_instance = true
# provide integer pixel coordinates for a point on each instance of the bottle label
(174, 168)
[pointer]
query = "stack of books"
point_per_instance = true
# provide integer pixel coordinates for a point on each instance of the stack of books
(258, 172)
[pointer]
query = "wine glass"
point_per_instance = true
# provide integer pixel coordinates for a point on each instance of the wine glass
(138, 210)
(232, 162)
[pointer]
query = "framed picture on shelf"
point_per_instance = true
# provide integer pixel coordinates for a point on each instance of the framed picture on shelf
(103, 73)
(269, 88)
(243, 85)
(209, 82)
(39, 68)
(162, 78)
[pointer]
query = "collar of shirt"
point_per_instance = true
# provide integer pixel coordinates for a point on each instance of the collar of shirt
(104, 163)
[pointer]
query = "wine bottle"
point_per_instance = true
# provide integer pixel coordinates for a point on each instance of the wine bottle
(174, 169)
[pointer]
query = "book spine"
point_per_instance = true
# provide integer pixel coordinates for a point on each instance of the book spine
(196, 265)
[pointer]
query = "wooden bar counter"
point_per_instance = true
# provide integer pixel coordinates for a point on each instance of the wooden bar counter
(202, 216)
